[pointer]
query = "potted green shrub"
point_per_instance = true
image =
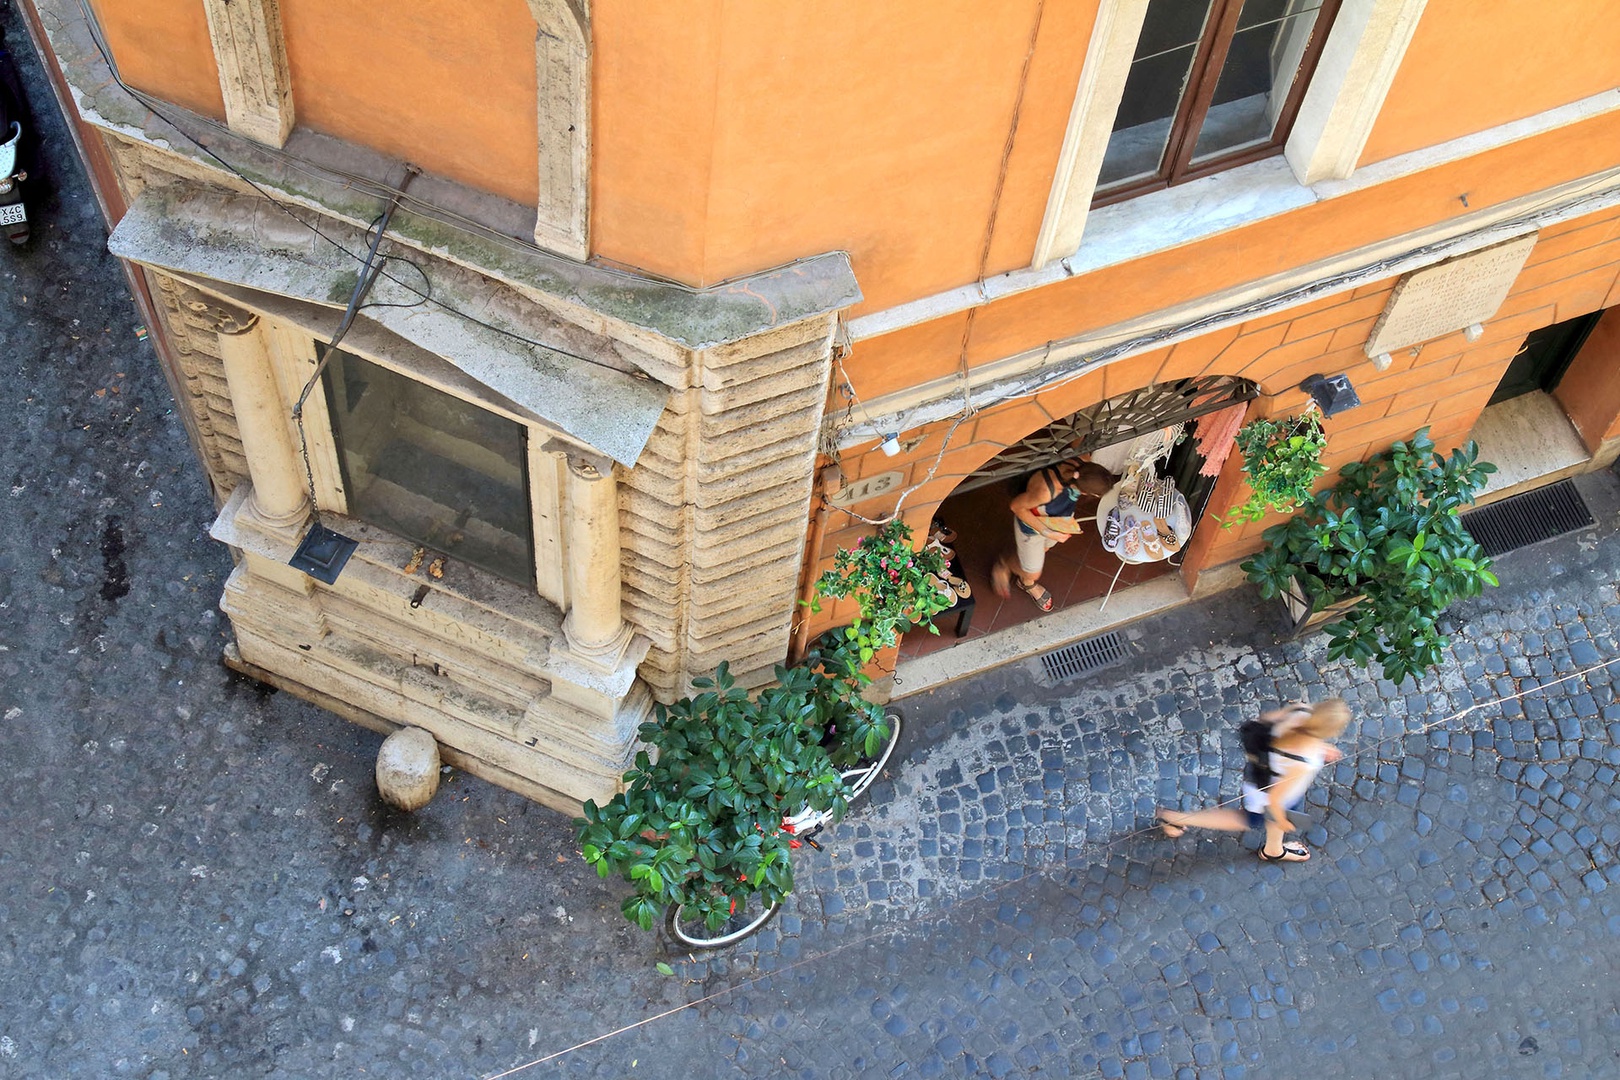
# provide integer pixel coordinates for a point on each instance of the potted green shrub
(1388, 533)
(699, 829)
(1282, 460)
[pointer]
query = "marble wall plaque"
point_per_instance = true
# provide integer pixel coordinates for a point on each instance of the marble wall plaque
(1449, 296)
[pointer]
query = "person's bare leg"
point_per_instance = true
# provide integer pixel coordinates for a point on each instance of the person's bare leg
(1001, 576)
(1224, 818)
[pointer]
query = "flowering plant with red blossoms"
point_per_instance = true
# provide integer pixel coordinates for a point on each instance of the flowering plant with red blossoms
(892, 583)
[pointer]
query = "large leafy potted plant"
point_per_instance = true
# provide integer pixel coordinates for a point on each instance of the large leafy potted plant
(700, 825)
(1388, 532)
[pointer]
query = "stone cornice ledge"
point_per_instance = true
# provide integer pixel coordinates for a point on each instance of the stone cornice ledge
(1216, 204)
(687, 317)
(1039, 369)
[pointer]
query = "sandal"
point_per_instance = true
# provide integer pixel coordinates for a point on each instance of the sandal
(942, 532)
(1290, 853)
(1112, 526)
(1037, 592)
(959, 586)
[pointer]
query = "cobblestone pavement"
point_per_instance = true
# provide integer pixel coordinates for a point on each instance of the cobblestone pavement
(196, 878)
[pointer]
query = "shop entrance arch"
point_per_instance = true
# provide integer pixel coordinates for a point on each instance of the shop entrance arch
(1080, 569)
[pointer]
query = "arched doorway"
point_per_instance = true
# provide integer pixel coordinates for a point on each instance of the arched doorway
(1080, 569)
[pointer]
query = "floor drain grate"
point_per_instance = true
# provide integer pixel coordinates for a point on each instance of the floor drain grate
(1084, 657)
(1521, 520)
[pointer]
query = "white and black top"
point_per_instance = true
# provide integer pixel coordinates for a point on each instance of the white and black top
(1290, 789)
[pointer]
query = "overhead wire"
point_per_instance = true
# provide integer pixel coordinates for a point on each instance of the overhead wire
(362, 284)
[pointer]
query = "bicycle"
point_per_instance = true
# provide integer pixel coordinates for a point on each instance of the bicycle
(750, 917)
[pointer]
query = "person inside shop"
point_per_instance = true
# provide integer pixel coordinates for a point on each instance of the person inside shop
(1048, 512)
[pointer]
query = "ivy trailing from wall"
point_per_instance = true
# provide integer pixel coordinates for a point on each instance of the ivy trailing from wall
(1282, 460)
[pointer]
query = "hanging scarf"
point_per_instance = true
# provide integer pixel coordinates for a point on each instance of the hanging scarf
(1216, 434)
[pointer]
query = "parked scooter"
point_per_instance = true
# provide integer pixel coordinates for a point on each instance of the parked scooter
(13, 154)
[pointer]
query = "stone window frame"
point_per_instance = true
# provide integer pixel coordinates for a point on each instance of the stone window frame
(1205, 71)
(294, 338)
(1353, 75)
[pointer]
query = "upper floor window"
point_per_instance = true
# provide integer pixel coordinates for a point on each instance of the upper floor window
(1213, 84)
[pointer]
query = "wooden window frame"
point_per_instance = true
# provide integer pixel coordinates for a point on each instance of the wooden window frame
(1175, 163)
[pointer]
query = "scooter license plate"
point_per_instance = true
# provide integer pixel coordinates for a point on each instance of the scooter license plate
(12, 214)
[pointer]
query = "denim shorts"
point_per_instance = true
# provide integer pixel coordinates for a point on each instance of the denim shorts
(1253, 796)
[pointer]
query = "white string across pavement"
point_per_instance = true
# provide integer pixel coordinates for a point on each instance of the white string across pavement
(1359, 750)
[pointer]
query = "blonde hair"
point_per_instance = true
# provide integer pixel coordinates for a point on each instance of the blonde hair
(1327, 719)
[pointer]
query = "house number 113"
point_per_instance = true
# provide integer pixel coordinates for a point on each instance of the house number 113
(867, 487)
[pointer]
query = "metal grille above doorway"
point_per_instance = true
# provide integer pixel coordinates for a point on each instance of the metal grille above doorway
(1115, 420)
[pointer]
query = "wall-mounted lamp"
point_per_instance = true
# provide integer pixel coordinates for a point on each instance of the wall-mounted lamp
(891, 444)
(1333, 394)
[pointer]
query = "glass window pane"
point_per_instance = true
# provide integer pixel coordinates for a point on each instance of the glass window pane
(1153, 89)
(1259, 70)
(431, 467)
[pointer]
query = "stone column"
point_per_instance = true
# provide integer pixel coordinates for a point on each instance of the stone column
(280, 499)
(595, 626)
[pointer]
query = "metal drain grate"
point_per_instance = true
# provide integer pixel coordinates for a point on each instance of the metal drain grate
(1084, 657)
(1521, 520)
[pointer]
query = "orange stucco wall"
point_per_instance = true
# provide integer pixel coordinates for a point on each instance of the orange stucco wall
(771, 132)
(919, 135)
(654, 81)
(162, 47)
(446, 90)
(1590, 389)
(1155, 282)
(1473, 64)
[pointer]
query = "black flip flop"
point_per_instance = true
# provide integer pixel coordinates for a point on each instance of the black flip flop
(1290, 853)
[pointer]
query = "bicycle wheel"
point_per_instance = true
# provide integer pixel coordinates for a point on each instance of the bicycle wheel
(864, 775)
(692, 931)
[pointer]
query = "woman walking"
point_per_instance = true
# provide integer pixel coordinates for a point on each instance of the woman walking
(1301, 742)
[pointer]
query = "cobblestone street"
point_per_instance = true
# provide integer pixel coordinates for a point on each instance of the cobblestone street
(198, 880)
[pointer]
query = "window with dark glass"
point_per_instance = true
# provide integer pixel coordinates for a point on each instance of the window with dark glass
(432, 468)
(1213, 84)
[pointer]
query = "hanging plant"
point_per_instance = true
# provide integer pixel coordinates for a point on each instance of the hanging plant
(700, 825)
(1282, 460)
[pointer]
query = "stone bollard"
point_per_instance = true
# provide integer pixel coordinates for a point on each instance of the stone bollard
(408, 768)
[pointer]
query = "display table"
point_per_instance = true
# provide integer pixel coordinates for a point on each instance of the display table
(963, 608)
(1141, 553)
